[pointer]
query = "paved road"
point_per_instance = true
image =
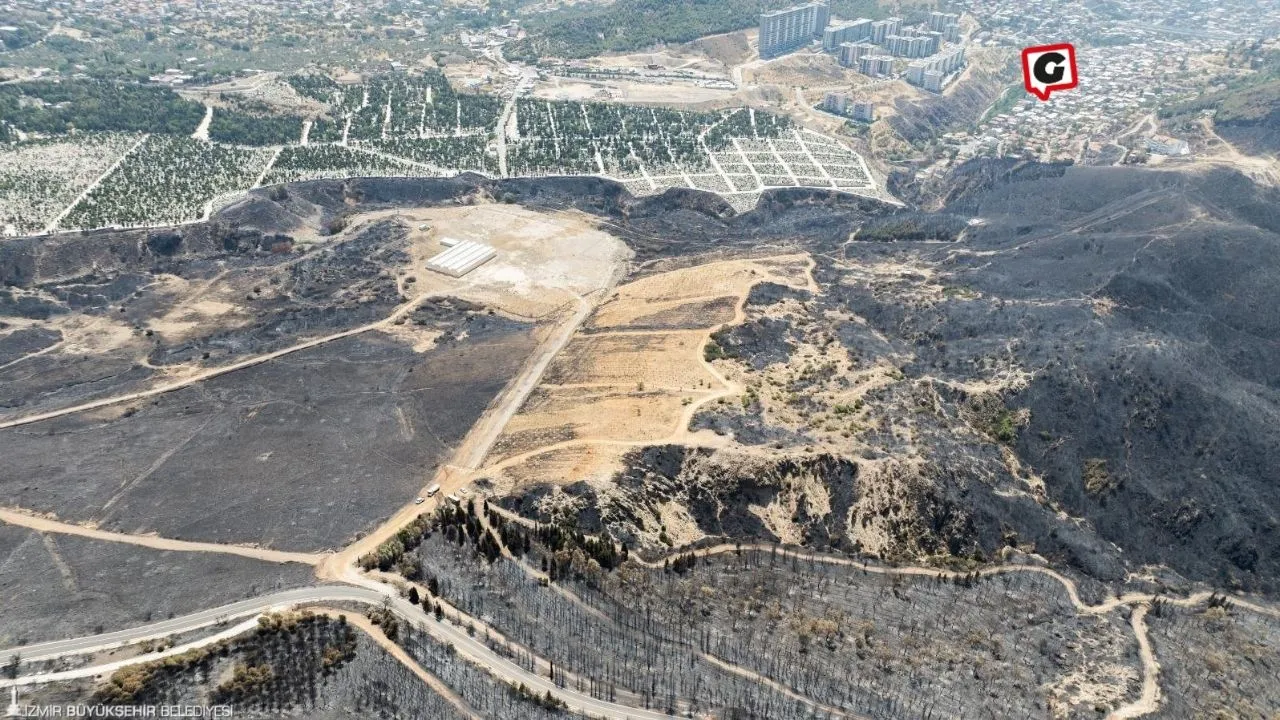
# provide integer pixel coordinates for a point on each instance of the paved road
(194, 621)
(92, 671)
(370, 593)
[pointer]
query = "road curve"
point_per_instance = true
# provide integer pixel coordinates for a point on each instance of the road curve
(186, 623)
(467, 647)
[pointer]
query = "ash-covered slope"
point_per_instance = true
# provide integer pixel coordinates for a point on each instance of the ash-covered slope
(1107, 331)
(1144, 305)
(1083, 369)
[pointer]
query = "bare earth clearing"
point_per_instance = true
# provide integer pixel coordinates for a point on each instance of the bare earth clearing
(634, 376)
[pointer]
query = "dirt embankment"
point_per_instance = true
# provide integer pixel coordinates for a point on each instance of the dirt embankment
(929, 116)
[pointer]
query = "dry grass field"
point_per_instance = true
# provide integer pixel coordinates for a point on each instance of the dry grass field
(635, 373)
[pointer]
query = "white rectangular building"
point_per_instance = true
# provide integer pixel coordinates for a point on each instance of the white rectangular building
(462, 257)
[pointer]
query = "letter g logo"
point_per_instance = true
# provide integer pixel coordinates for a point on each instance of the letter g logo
(1049, 68)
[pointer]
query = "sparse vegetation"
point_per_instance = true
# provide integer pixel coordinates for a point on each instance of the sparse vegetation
(1097, 477)
(271, 667)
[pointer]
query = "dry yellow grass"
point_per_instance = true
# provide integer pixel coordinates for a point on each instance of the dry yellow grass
(613, 415)
(616, 387)
(591, 463)
(640, 361)
(667, 314)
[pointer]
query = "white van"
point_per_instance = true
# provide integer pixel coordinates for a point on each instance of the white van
(431, 491)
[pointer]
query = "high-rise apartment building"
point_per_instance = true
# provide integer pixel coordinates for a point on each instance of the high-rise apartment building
(941, 65)
(947, 24)
(852, 53)
(882, 29)
(782, 31)
(912, 46)
(836, 35)
(844, 104)
(939, 21)
(876, 65)
(836, 102)
(933, 81)
(935, 42)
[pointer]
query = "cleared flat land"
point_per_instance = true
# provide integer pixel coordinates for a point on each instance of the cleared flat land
(373, 370)
(300, 453)
(544, 260)
(55, 586)
(634, 375)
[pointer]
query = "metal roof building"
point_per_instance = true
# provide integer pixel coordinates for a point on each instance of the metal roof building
(462, 257)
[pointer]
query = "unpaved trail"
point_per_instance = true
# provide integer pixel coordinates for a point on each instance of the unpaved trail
(271, 162)
(1260, 168)
(682, 433)
(202, 130)
(546, 581)
(470, 455)
(541, 665)
(1149, 701)
(485, 433)
(53, 224)
(219, 371)
(35, 354)
(778, 687)
(475, 446)
(46, 525)
(376, 635)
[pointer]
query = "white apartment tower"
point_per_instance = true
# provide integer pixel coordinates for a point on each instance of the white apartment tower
(782, 31)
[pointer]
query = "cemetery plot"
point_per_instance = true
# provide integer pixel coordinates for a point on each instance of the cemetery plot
(461, 154)
(736, 153)
(390, 125)
(254, 124)
(418, 107)
(567, 137)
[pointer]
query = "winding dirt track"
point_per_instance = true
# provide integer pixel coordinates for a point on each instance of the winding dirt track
(218, 371)
(680, 433)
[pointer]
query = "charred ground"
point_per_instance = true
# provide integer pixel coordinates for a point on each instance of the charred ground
(1089, 346)
(1082, 352)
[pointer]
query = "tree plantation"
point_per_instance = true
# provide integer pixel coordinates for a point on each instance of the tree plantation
(55, 165)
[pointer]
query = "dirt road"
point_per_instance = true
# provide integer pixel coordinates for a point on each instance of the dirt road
(397, 652)
(475, 446)
(46, 525)
(218, 371)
